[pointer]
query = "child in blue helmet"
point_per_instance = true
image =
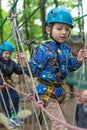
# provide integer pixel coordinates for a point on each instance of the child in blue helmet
(52, 61)
(7, 68)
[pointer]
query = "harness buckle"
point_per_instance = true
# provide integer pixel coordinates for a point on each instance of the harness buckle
(48, 93)
(49, 89)
(46, 97)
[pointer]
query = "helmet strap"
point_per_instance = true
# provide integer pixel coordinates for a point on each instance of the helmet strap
(51, 27)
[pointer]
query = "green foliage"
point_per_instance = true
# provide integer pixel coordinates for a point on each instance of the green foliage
(6, 26)
(32, 30)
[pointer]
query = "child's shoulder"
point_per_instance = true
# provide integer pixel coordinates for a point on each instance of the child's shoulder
(46, 45)
(50, 45)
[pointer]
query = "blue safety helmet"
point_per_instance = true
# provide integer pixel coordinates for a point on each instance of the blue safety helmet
(7, 46)
(59, 15)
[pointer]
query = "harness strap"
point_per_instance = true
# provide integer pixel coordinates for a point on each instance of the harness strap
(49, 91)
(50, 83)
(50, 94)
(8, 80)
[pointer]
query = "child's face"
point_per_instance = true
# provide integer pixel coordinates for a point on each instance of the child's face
(59, 32)
(6, 55)
(84, 94)
(84, 97)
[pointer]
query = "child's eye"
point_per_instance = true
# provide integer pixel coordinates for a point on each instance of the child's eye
(59, 28)
(67, 29)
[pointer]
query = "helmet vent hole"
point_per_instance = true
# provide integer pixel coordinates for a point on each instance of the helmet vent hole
(54, 14)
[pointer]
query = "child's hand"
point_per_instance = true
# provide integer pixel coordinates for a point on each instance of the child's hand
(21, 57)
(82, 54)
(17, 57)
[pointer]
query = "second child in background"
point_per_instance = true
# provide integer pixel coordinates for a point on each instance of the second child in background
(7, 68)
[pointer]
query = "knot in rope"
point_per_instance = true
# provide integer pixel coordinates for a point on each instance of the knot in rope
(30, 96)
(38, 104)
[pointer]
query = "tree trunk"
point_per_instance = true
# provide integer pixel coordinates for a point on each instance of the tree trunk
(1, 30)
(56, 3)
(25, 16)
(81, 22)
(42, 10)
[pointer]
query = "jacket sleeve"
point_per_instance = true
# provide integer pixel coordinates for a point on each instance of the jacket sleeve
(73, 63)
(17, 69)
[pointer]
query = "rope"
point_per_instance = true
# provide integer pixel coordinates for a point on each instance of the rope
(77, 97)
(30, 72)
(15, 28)
(79, 82)
(33, 81)
(33, 13)
(9, 99)
(80, 17)
(28, 89)
(12, 8)
(4, 104)
(14, 5)
(61, 122)
(3, 97)
(39, 104)
(29, 17)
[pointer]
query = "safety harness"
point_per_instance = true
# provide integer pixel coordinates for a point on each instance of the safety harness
(50, 90)
(50, 94)
(8, 80)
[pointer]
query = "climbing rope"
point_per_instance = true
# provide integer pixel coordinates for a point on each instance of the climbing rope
(28, 18)
(1, 75)
(12, 8)
(40, 104)
(17, 35)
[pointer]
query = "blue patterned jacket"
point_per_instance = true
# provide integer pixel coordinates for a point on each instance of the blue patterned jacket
(50, 58)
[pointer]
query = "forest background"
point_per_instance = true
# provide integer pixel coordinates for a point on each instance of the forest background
(34, 27)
